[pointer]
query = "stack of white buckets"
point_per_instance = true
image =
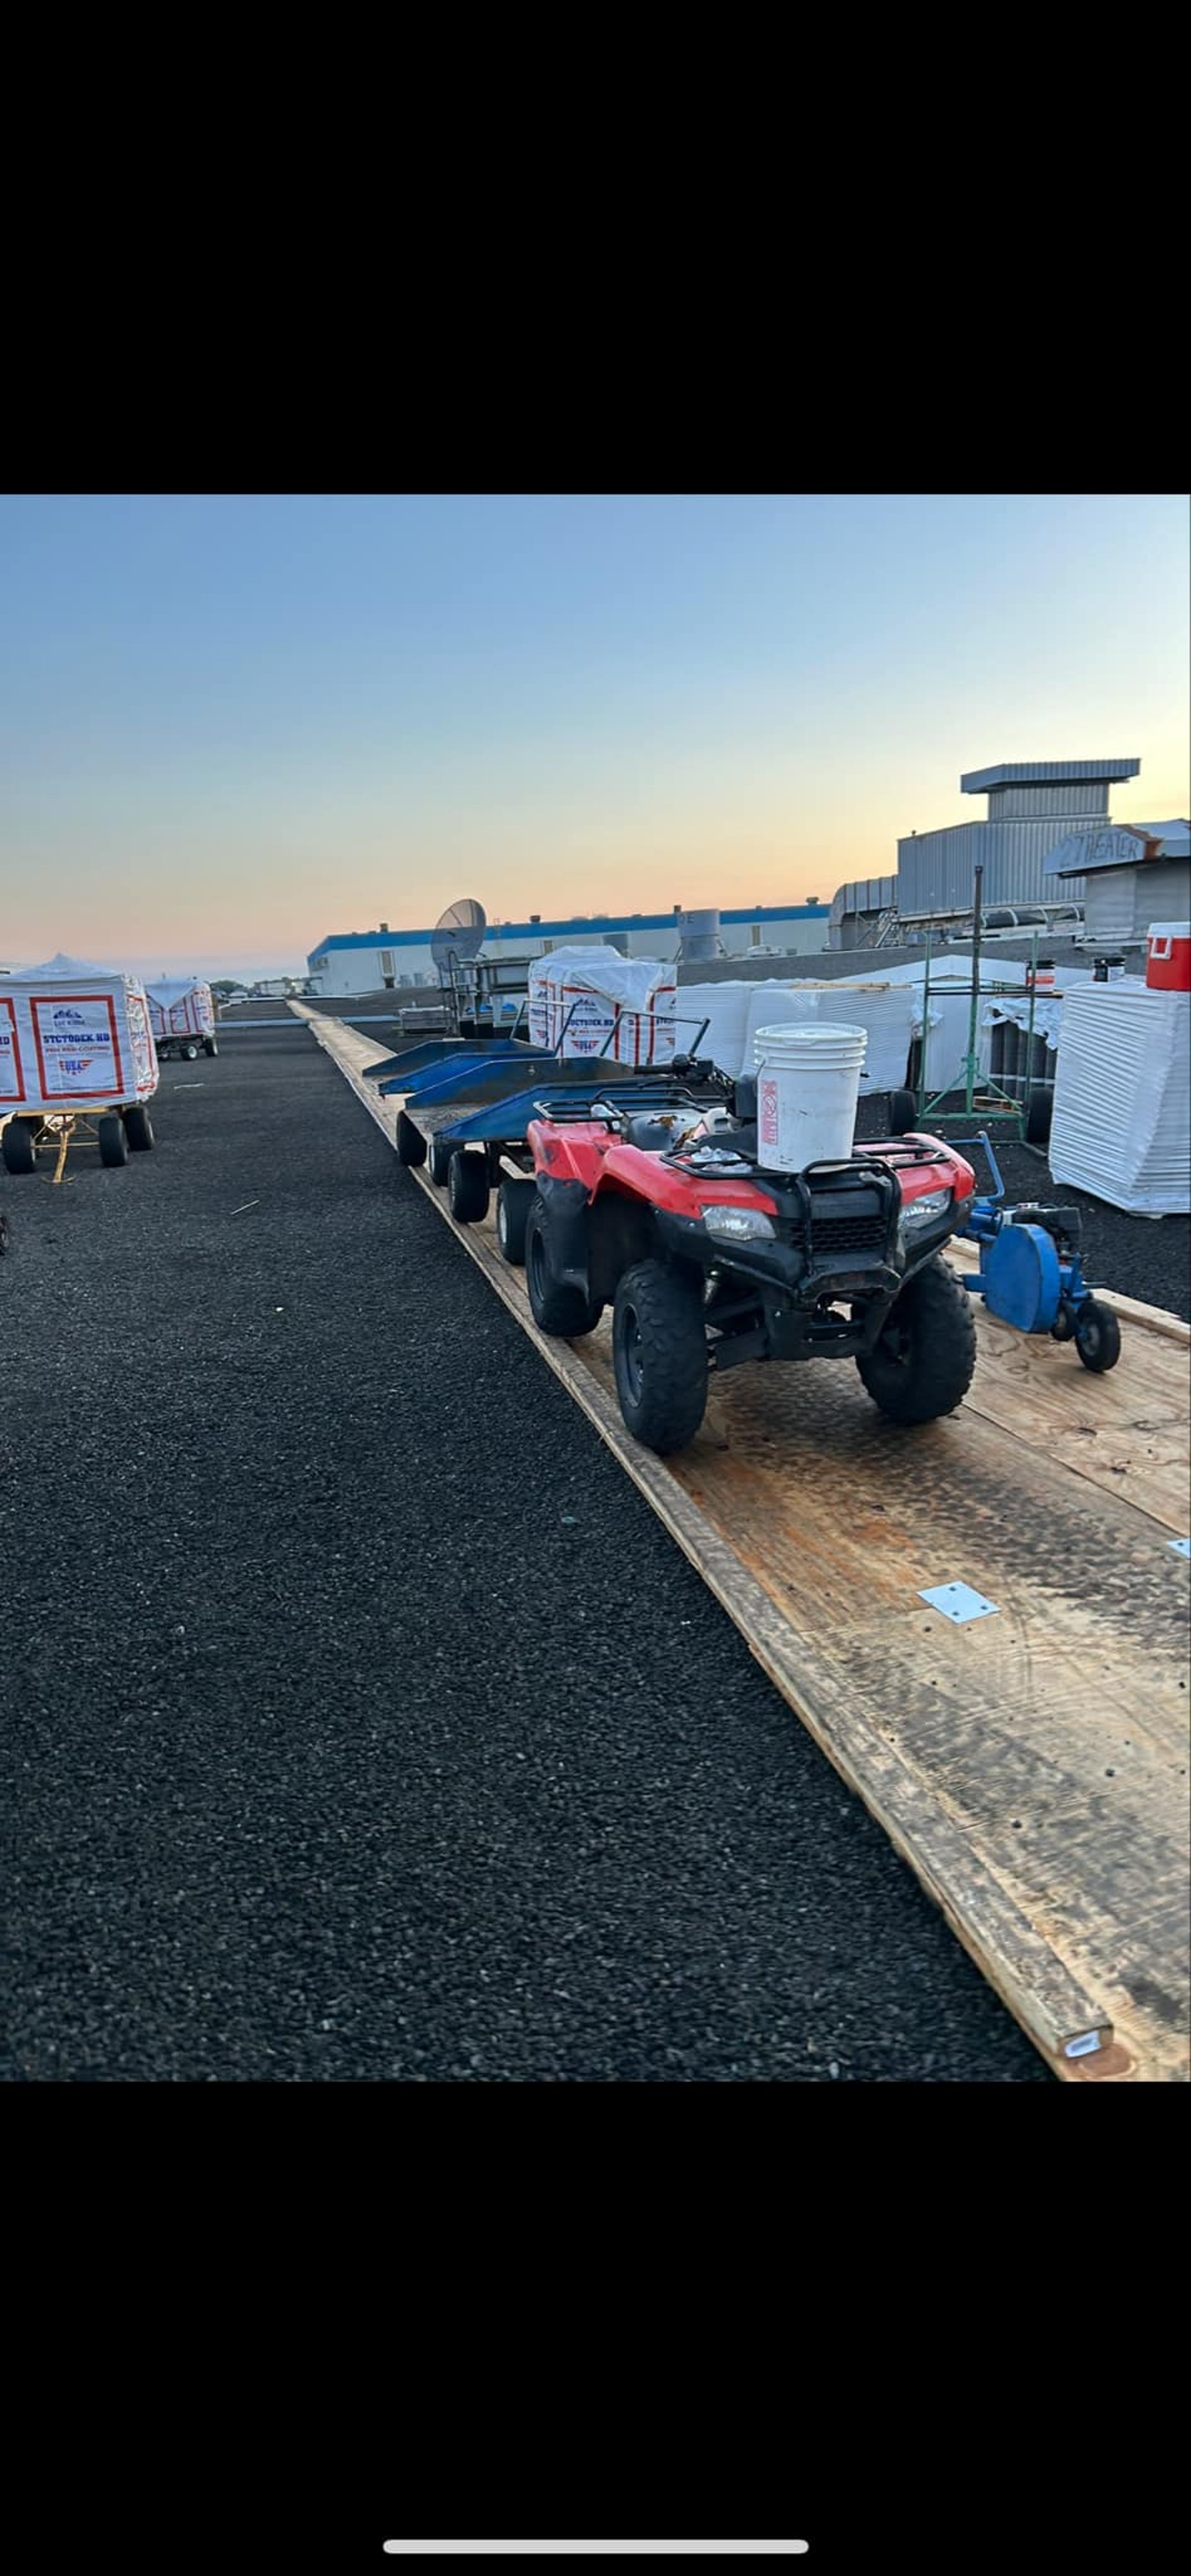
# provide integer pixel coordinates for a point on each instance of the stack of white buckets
(808, 1083)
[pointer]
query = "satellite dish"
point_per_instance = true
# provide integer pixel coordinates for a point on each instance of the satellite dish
(459, 935)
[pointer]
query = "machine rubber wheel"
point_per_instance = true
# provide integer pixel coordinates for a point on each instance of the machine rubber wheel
(659, 1352)
(138, 1127)
(903, 1112)
(556, 1308)
(1063, 1327)
(190, 1051)
(1038, 1112)
(1097, 1336)
(113, 1143)
(411, 1143)
(210, 1047)
(922, 1365)
(17, 1147)
(512, 1218)
(439, 1153)
(467, 1187)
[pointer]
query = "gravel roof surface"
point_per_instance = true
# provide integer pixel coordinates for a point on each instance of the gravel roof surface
(377, 1730)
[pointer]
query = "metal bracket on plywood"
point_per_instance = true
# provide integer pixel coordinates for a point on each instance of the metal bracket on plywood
(959, 1603)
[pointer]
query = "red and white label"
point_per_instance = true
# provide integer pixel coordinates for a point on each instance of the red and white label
(767, 1110)
(12, 1073)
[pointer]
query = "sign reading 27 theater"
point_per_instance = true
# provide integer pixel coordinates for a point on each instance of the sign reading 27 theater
(78, 1048)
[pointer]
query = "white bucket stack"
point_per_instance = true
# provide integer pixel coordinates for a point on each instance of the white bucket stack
(808, 1083)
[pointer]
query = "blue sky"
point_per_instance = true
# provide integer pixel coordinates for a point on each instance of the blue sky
(232, 724)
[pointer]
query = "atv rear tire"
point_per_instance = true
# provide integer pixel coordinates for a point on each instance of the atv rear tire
(556, 1307)
(659, 1353)
(411, 1143)
(512, 1218)
(922, 1365)
(467, 1188)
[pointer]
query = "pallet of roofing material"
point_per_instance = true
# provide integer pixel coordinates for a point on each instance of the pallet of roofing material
(1122, 1113)
(77, 1064)
(884, 1010)
(182, 1017)
(594, 1002)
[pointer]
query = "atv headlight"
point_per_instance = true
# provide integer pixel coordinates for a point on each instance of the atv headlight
(931, 1204)
(739, 1225)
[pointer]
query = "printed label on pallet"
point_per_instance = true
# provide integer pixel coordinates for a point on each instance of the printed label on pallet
(78, 1054)
(12, 1077)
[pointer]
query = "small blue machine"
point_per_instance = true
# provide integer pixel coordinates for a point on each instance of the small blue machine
(1030, 1273)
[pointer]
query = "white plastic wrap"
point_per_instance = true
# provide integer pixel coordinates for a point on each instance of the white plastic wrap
(725, 1007)
(1121, 1125)
(74, 1036)
(884, 1011)
(596, 1002)
(181, 1007)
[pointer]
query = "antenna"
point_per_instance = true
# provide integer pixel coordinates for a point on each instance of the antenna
(458, 936)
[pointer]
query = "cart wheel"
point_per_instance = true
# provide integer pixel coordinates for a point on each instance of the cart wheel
(138, 1127)
(1038, 1110)
(1063, 1327)
(17, 1147)
(113, 1143)
(1097, 1336)
(411, 1143)
(190, 1052)
(209, 1047)
(512, 1217)
(467, 1187)
(439, 1153)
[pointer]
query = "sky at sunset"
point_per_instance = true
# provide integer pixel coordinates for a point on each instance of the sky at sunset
(231, 725)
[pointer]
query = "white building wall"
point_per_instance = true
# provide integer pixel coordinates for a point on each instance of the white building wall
(367, 969)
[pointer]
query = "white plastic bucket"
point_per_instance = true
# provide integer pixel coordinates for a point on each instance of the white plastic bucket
(808, 1082)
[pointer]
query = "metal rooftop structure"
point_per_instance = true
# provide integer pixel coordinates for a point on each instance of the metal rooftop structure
(1045, 773)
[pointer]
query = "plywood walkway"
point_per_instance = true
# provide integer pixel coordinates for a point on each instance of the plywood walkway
(1032, 1767)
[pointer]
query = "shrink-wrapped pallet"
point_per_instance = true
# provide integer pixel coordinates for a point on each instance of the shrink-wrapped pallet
(73, 1037)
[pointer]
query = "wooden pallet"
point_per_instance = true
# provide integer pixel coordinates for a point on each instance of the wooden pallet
(1032, 1767)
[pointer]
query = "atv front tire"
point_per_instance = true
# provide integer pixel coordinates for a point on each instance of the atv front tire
(922, 1365)
(659, 1353)
(556, 1307)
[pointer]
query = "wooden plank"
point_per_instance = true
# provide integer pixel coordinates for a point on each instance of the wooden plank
(1125, 1431)
(1031, 1768)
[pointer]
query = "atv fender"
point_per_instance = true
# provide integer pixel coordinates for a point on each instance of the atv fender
(564, 1222)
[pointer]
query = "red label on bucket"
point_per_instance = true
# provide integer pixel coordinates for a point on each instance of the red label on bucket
(767, 1110)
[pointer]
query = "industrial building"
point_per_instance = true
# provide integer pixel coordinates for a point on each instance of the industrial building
(1032, 806)
(369, 961)
(1132, 874)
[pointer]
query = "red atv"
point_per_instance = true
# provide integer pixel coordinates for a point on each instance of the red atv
(708, 1260)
